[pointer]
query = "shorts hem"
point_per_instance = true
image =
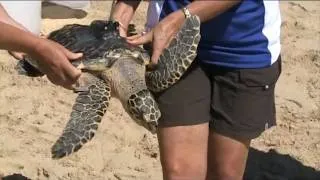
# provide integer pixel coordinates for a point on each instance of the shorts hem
(180, 123)
(240, 135)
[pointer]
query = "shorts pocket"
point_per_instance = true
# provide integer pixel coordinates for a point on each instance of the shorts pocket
(262, 77)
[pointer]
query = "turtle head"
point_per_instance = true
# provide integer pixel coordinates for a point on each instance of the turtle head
(144, 109)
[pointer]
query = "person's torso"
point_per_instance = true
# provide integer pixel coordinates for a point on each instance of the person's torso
(245, 36)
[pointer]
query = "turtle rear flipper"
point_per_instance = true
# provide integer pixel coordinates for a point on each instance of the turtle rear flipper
(177, 58)
(87, 112)
(25, 68)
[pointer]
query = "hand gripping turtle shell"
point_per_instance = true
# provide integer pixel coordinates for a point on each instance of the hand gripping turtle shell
(112, 67)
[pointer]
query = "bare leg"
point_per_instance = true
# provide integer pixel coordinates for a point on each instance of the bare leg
(226, 157)
(183, 151)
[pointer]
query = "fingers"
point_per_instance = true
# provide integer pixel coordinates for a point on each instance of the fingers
(72, 79)
(157, 50)
(147, 38)
(131, 38)
(159, 45)
(122, 32)
(17, 55)
(58, 81)
(53, 60)
(70, 87)
(69, 77)
(65, 74)
(71, 72)
(67, 80)
(139, 40)
(72, 56)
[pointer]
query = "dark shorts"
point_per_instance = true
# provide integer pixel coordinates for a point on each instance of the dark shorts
(238, 103)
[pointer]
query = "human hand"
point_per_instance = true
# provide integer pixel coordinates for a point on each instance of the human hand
(53, 60)
(17, 55)
(160, 36)
(122, 30)
(123, 12)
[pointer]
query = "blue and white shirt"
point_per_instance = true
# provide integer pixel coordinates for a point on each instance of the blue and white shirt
(245, 36)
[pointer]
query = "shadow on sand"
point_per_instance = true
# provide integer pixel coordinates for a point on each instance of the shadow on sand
(274, 166)
(54, 11)
(14, 177)
(261, 166)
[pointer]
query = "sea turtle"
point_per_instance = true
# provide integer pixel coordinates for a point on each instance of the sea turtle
(111, 67)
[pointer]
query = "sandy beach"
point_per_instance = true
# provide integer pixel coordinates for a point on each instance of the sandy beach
(33, 113)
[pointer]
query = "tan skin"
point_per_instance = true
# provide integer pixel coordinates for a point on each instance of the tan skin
(190, 152)
(52, 58)
(5, 18)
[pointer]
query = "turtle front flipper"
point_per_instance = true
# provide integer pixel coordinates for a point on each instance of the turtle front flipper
(87, 112)
(177, 58)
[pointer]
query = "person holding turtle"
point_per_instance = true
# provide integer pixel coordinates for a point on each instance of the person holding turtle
(227, 98)
(52, 57)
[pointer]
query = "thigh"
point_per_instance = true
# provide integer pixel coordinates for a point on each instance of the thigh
(183, 152)
(183, 127)
(226, 157)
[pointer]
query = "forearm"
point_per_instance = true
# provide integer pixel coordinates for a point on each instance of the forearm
(207, 10)
(15, 39)
(124, 11)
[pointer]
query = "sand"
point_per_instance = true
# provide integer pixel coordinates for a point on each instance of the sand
(33, 113)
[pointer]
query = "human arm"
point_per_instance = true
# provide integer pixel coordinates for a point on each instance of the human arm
(123, 13)
(167, 28)
(5, 18)
(53, 59)
(207, 10)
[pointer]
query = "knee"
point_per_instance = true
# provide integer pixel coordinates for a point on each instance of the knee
(181, 170)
